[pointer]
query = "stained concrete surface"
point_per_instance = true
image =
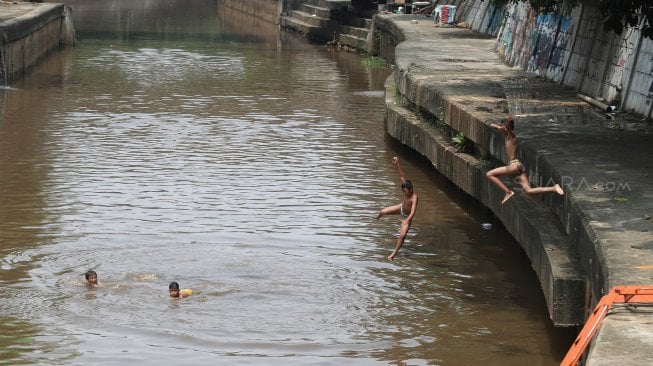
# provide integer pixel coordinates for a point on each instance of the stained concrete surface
(605, 165)
(14, 9)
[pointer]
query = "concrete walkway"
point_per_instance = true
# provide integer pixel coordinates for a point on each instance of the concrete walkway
(454, 76)
(28, 32)
(11, 9)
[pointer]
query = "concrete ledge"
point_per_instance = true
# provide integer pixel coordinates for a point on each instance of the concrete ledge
(28, 32)
(454, 79)
(615, 347)
(530, 222)
(31, 21)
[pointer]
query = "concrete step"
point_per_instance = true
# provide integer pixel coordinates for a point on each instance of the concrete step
(331, 4)
(318, 11)
(355, 21)
(296, 25)
(352, 41)
(329, 20)
(310, 19)
(354, 31)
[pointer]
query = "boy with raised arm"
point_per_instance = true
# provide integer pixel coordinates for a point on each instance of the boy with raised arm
(406, 209)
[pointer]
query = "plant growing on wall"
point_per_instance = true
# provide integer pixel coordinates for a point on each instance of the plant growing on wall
(374, 62)
(617, 14)
(462, 143)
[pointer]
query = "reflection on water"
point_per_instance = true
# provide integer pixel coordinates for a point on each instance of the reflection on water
(16, 338)
(177, 143)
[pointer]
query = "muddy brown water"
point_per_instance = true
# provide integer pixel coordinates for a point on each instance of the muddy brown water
(180, 141)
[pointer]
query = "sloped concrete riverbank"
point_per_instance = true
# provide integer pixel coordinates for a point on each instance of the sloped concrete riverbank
(598, 235)
(28, 32)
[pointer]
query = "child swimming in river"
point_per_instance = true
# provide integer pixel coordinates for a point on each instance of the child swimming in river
(174, 291)
(91, 278)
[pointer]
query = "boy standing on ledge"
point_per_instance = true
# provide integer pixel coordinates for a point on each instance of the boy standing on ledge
(514, 167)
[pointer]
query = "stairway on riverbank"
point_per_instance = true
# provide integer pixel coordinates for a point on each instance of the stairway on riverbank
(330, 21)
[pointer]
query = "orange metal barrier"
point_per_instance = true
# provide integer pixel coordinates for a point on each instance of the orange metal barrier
(620, 295)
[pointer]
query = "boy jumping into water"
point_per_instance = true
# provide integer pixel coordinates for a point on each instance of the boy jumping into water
(514, 167)
(406, 209)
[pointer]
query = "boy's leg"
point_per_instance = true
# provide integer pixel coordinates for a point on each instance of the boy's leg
(507, 196)
(493, 175)
(400, 241)
(392, 210)
(523, 180)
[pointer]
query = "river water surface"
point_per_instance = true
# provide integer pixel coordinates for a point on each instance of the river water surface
(181, 141)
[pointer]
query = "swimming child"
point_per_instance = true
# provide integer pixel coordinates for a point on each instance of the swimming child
(174, 291)
(91, 278)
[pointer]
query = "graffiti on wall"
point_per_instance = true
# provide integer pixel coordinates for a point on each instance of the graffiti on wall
(601, 64)
(527, 41)
(547, 32)
(517, 34)
(495, 21)
(505, 38)
(556, 67)
(617, 74)
(649, 96)
(530, 41)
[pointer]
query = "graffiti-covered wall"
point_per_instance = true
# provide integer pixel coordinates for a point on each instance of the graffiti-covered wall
(572, 49)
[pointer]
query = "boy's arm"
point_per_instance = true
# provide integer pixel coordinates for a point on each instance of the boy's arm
(412, 209)
(401, 171)
(503, 122)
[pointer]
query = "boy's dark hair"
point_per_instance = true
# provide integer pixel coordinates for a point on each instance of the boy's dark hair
(89, 273)
(407, 184)
(509, 122)
(173, 286)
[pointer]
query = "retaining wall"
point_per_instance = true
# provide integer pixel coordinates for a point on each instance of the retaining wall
(27, 38)
(572, 50)
(435, 94)
(548, 60)
(265, 10)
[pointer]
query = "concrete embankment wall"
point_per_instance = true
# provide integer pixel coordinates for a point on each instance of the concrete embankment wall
(265, 10)
(426, 108)
(435, 97)
(27, 38)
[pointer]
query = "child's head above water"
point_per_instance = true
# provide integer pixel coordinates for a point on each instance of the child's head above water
(173, 289)
(91, 277)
